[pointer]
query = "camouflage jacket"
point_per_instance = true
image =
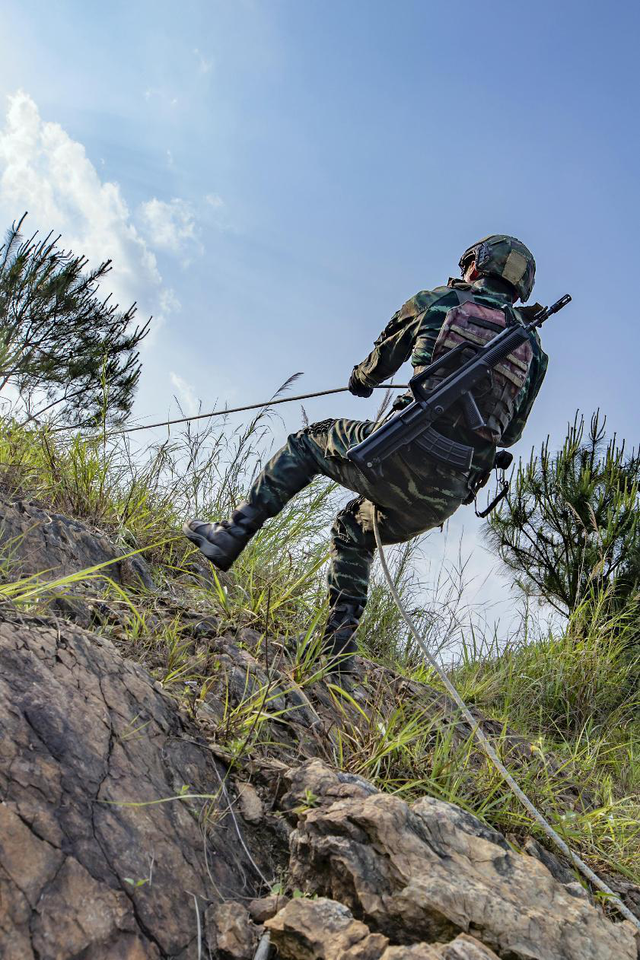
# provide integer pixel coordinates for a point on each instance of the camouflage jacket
(412, 333)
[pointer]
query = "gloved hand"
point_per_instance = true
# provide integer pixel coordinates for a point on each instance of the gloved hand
(401, 402)
(357, 388)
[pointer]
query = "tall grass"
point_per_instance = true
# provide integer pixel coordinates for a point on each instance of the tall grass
(572, 692)
(584, 674)
(141, 498)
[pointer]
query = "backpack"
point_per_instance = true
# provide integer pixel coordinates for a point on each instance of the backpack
(475, 324)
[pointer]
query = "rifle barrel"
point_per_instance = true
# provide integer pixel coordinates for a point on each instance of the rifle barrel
(546, 312)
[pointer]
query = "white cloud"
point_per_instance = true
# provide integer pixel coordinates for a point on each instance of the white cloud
(205, 64)
(160, 97)
(218, 213)
(45, 171)
(185, 395)
(169, 303)
(169, 226)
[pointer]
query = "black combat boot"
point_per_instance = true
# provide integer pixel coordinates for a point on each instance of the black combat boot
(338, 642)
(223, 542)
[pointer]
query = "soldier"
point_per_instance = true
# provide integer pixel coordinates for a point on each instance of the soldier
(415, 492)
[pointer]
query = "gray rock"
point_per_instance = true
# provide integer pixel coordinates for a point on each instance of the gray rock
(251, 806)
(465, 947)
(88, 861)
(315, 782)
(36, 540)
(415, 873)
(266, 907)
(323, 929)
(554, 865)
(231, 935)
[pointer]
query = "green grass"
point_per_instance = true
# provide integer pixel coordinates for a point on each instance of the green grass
(572, 693)
(585, 673)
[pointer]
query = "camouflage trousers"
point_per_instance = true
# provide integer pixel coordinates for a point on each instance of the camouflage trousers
(415, 494)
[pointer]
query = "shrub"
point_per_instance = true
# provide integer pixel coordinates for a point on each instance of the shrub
(571, 522)
(63, 348)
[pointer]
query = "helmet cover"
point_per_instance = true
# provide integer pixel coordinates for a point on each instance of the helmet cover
(504, 257)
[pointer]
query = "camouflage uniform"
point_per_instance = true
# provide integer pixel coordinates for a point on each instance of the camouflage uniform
(415, 493)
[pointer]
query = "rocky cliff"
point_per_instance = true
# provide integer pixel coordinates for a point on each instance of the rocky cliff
(133, 823)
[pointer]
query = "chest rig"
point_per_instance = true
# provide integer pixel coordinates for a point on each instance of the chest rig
(475, 324)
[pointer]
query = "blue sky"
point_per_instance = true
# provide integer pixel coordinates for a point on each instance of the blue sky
(273, 179)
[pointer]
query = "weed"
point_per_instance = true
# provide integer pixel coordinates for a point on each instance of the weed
(572, 691)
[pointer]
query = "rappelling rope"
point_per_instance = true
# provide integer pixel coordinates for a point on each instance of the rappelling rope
(488, 749)
(226, 410)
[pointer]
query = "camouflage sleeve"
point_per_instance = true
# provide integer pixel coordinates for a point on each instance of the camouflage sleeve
(536, 375)
(393, 346)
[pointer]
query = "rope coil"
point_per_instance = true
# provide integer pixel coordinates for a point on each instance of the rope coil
(490, 752)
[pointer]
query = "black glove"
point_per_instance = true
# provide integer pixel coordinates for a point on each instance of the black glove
(401, 402)
(357, 388)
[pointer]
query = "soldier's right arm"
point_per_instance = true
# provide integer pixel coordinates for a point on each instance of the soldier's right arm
(395, 344)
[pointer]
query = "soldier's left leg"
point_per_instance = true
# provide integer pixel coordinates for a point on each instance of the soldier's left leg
(319, 449)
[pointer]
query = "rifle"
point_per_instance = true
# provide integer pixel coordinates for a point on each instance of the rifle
(414, 423)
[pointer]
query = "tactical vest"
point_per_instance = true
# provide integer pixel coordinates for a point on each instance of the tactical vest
(473, 323)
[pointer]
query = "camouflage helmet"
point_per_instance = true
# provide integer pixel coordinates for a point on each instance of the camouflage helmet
(505, 257)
